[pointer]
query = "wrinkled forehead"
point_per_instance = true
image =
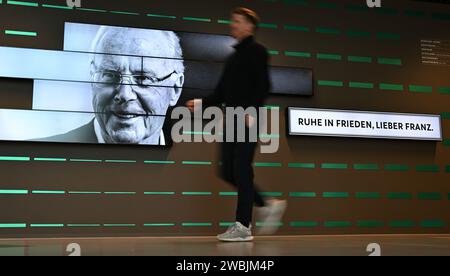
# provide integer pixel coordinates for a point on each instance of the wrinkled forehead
(129, 41)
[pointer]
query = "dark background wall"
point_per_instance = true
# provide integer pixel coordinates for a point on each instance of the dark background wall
(345, 186)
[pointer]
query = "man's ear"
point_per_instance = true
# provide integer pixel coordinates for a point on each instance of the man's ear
(178, 87)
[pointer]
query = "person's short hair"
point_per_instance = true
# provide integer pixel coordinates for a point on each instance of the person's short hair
(250, 15)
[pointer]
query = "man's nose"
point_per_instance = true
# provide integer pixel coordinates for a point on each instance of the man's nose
(125, 94)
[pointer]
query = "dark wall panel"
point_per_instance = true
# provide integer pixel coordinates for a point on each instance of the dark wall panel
(333, 185)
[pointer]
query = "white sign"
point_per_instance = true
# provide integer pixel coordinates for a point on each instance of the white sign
(346, 123)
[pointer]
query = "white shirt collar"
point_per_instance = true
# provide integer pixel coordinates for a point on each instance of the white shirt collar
(98, 133)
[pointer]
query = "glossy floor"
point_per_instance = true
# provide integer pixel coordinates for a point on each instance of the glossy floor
(208, 246)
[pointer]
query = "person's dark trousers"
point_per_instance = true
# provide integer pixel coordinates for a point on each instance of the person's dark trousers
(237, 169)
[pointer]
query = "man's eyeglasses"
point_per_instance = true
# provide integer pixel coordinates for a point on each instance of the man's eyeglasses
(114, 79)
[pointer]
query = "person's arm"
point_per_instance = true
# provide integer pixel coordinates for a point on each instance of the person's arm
(215, 99)
(260, 78)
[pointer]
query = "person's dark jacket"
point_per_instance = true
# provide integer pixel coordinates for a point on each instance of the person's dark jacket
(245, 80)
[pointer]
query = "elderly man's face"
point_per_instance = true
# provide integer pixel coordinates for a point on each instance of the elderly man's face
(124, 111)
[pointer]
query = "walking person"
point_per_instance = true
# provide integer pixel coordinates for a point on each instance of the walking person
(244, 83)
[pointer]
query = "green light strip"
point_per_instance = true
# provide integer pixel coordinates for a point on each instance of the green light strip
(37, 192)
(422, 89)
(297, 54)
(271, 194)
(303, 194)
(334, 166)
(329, 56)
(156, 162)
(427, 168)
(277, 224)
(335, 195)
(13, 192)
(369, 223)
(84, 193)
(196, 163)
(399, 195)
(432, 224)
(226, 224)
(277, 107)
(50, 159)
(391, 87)
(395, 167)
(161, 16)
(297, 224)
(268, 25)
(124, 13)
(429, 196)
(159, 193)
(14, 158)
(196, 193)
(390, 61)
(367, 195)
(224, 21)
(196, 224)
(296, 28)
(46, 225)
(119, 193)
(13, 225)
(198, 19)
(302, 165)
(401, 223)
(91, 10)
(330, 83)
(84, 225)
(56, 7)
(120, 161)
(370, 167)
(365, 85)
(228, 193)
(120, 225)
(159, 224)
(444, 90)
(20, 33)
(22, 3)
(86, 160)
(359, 59)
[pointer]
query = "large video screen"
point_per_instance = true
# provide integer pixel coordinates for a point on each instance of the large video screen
(117, 85)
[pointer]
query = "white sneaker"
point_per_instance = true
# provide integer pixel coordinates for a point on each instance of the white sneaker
(270, 215)
(236, 233)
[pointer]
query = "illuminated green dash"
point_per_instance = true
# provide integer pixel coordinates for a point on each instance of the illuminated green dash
(22, 3)
(13, 192)
(13, 225)
(20, 33)
(198, 19)
(14, 158)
